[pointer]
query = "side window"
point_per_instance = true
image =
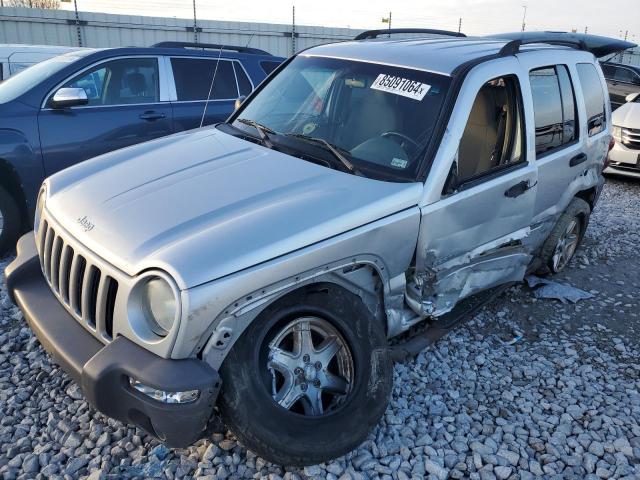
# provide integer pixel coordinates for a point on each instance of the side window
(569, 107)
(594, 98)
(493, 136)
(609, 71)
(554, 106)
(626, 75)
(120, 82)
(244, 84)
(547, 107)
(193, 79)
(269, 66)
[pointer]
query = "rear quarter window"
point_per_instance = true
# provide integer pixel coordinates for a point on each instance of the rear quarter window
(193, 79)
(269, 66)
(594, 98)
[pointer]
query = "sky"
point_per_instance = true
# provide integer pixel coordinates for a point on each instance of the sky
(612, 18)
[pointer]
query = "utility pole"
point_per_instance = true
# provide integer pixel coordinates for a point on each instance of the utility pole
(389, 20)
(78, 31)
(460, 25)
(195, 23)
(586, 30)
(524, 18)
(293, 31)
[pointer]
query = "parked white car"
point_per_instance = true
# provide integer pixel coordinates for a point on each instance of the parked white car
(15, 58)
(624, 159)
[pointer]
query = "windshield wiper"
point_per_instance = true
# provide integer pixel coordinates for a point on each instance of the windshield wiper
(328, 146)
(263, 131)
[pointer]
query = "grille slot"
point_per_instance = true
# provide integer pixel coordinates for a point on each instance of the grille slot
(631, 138)
(79, 284)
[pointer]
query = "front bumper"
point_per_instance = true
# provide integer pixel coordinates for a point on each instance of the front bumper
(103, 371)
(624, 161)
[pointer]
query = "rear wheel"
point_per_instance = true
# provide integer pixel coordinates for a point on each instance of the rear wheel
(9, 222)
(308, 379)
(565, 237)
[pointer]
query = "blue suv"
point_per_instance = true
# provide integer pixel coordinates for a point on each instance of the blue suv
(82, 104)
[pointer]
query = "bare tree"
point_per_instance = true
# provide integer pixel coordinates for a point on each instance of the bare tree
(51, 4)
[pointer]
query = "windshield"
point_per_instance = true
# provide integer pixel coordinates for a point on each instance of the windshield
(379, 117)
(23, 81)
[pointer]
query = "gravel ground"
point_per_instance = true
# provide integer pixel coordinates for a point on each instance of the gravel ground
(562, 402)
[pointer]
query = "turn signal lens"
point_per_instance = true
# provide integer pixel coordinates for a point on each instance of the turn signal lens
(163, 396)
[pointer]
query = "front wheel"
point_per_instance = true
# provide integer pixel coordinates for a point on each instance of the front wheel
(308, 379)
(9, 222)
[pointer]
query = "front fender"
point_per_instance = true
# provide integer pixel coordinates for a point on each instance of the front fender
(17, 155)
(386, 246)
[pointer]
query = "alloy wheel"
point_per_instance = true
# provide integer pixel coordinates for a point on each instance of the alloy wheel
(311, 367)
(566, 246)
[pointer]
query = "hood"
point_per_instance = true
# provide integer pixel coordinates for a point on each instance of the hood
(627, 115)
(204, 204)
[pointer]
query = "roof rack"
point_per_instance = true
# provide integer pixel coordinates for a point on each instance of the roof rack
(210, 46)
(513, 47)
(599, 46)
(371, 34)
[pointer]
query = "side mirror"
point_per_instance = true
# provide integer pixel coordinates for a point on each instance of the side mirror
(239, 101)
(69, 97)
(632, 97)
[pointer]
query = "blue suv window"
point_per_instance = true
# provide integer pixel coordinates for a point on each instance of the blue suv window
(193, 79)
(120, 82)
(244, 84)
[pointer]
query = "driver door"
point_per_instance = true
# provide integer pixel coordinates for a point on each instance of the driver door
(473, 237)
(124, 108)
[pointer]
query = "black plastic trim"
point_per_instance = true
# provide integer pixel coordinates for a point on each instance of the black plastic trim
(371, 34)
(103, 371)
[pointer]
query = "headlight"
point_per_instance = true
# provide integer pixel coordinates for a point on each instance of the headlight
(159, 305)
(42, 200)
(617, 134)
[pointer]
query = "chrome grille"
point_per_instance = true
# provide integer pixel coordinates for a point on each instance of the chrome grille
(631, 138)
(88, 293)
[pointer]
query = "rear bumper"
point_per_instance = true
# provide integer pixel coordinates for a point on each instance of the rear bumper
(103, 371)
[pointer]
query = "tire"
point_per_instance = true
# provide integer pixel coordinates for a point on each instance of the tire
(9, 222)
(302, 435)
(570, 227)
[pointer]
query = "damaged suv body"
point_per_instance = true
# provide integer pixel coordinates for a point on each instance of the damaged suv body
(257, 268)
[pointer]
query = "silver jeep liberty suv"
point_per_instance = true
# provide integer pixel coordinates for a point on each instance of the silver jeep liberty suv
(257, 268)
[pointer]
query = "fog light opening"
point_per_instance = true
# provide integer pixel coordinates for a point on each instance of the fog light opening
(164, 396)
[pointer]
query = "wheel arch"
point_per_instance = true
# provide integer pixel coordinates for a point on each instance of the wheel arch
(365, 279)
(10, 180)
(589, 195)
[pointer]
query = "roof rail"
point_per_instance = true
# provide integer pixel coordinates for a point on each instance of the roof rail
(371, 34)
(599, 46)
(513, 47)
(210, 46)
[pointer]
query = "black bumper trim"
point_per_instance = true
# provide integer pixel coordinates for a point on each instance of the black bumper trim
(103, 371)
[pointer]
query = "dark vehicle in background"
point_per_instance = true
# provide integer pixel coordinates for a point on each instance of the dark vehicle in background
(82, 104)
(622, 81)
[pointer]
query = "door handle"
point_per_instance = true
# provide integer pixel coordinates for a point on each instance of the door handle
(519, 189)
(578, 159)
(151, 116)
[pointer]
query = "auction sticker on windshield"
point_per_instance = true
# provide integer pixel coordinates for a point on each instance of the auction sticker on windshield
(400, 86)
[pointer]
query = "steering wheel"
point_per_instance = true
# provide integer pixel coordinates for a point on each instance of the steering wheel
(403, 137)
